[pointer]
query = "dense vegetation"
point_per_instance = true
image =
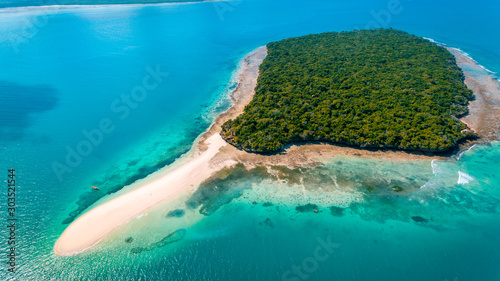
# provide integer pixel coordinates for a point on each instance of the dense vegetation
(370, 88)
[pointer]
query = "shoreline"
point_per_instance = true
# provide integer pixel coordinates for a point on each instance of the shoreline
(210, 153)
(483, 118)
(247, 74)
(484, 111)
(105, 218)
(57, 7)
(168, 184)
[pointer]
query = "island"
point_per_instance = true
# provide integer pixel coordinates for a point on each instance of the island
(379, 88)
(189, 181)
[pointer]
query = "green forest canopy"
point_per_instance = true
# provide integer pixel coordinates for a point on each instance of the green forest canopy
(379, 88)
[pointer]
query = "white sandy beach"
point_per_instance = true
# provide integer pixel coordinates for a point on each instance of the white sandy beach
(94, 225)
(164, 187)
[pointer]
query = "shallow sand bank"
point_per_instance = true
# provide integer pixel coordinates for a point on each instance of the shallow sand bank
(93, 226)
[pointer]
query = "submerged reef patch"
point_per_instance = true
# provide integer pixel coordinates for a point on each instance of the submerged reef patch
(267, 204)
(177, 213)
(337, 211)
(419, 219)
(307, 208)
(268, 222)
(171, 238)
(223, 187)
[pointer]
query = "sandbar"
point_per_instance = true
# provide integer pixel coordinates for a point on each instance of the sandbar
(89, 229)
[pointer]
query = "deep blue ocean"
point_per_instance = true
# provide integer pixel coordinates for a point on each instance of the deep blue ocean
(76, 110)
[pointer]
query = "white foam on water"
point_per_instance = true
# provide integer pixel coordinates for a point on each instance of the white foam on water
(438, 43)
(436, 170)
(140, 216)
(435, 167)
(470, 58)
(465, 151)
(487, 70)
(427, 185)
(432, 40)
(463, 53)
(464, 178)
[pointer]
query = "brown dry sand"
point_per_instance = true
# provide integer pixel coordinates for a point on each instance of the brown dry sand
(484, 111)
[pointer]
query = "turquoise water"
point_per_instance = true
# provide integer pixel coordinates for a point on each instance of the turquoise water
(65, 71)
